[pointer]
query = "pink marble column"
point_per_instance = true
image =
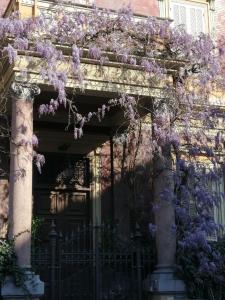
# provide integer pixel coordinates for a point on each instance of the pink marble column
(164, 208)
(163, 283)
(21, 161)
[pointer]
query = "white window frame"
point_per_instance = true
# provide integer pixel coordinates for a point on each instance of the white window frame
(202, 5)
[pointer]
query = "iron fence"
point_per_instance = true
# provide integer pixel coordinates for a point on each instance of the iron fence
(92, 263)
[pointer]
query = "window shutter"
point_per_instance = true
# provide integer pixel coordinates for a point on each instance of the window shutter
(222, 202)
(179, 15)
(192, 212)
(200, 22)
(213, 237)
(192, 209)
(183, 16)
(176, 14)
(190, 15)
(196, 20)
(218, 211)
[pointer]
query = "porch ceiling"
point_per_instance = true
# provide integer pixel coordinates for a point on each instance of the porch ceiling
(84, 103)
(56, 136)
(63, 142)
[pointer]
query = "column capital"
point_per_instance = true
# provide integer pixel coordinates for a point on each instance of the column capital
(25, 91)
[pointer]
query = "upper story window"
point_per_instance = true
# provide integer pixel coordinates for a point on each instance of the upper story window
(193, 15)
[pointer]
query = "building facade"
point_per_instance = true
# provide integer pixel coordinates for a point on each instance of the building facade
(87, 181)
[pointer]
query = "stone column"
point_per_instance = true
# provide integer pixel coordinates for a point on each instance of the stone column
(164, 208)
(162, 283)
(20, 189)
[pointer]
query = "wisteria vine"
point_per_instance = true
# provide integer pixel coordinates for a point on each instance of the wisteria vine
(190, 71)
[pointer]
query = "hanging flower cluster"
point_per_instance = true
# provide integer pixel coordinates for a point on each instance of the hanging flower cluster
(150, 44)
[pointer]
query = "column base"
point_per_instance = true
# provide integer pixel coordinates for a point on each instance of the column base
(163, 285)
(33, 288)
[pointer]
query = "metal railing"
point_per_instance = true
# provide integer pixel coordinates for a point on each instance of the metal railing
(92, 263)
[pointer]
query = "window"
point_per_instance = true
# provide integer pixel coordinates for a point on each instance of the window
(219, 210)
(216, 188)
(192, 15)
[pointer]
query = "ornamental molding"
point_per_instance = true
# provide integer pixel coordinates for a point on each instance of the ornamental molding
(24, 91)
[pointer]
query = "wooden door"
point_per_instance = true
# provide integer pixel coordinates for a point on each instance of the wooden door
(61, 193)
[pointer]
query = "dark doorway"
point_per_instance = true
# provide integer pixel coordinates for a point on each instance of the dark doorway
(78, 260)
(62, 192)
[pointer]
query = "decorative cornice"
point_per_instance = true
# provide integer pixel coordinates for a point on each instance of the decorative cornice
(24, 91)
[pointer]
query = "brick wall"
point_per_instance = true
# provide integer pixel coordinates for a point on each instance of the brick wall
(220, 17)
(3, 5)
(132, 188)
(143, 7)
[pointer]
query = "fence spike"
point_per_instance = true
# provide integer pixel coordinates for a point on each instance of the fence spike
(60, 235)
(137, 233)
(53, 232)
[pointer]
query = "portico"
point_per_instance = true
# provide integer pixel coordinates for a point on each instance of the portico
(98, 85)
